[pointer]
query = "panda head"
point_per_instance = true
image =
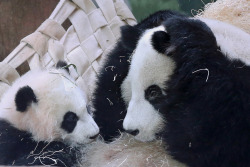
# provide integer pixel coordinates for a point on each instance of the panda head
(144, 86)
(49, 106)
(154, 61)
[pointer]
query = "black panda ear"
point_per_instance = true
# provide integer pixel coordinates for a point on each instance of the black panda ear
(24, 97)
(62, 65)
(130, 36)
(161, 41)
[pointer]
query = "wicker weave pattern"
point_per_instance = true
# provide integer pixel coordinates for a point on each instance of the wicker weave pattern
(93, 33)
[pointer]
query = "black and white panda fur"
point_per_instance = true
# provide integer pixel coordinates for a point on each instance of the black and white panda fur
(189, 82)
(43, 120)
(160, 95)
(110, 108)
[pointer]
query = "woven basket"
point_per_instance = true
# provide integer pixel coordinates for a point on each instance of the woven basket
(94, 31)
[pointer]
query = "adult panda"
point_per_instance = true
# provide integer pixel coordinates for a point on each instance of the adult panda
(188, 82)
(43, 120)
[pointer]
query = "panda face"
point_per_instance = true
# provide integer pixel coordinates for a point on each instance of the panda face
(74, 124)
(144, 87)
(50, 107)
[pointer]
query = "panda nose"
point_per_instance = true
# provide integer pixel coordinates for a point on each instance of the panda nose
(133, 132)
(95, 136)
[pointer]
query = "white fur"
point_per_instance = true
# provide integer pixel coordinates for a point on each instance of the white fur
(148, 67)
(56, 95)
(234, 42)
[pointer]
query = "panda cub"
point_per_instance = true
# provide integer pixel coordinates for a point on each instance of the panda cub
(43, 120)
(110, 108)
(189, 83)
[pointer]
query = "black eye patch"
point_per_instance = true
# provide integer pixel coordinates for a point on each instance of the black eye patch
(69, 121)
(153, 93)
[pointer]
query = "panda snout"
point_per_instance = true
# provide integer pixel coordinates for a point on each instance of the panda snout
(133, 132)
(94, 137)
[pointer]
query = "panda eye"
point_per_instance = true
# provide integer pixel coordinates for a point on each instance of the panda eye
(69, 121)
(153, 92)
(71, 117)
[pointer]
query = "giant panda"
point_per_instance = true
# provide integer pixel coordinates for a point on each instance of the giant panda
(110, 107)
(143, 95)
(107, 102)
(44, 120)
(189, 83)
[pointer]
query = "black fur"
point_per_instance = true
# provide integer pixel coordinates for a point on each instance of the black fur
(69, 121)
(24, 97)
(129, 38)
(207, 107)
(110, 108)
(62, 64)
(160, 41)
(16, 149)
